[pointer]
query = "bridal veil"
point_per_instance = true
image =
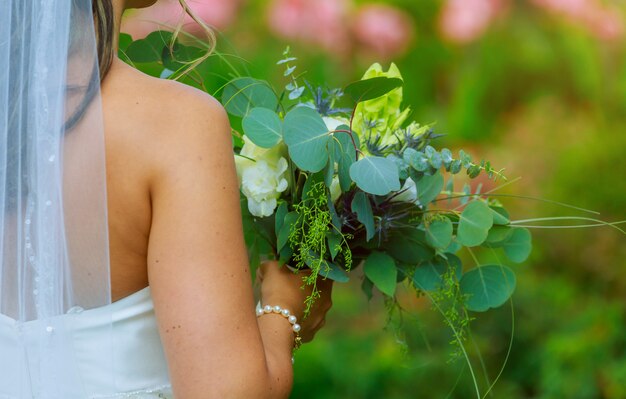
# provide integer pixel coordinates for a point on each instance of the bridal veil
(54, 256)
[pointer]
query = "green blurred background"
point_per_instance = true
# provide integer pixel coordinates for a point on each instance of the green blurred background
(538, 89)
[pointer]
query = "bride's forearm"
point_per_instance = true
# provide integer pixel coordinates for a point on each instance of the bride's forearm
(278, 341)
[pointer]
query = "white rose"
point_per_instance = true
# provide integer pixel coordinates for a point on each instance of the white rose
(263, 177)
(408, 192)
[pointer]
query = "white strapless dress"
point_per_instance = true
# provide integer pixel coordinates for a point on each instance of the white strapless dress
(135, 365)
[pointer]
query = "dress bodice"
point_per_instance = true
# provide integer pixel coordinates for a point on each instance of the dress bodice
(117, 350)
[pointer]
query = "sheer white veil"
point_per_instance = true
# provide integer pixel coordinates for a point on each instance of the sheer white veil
(54, 252)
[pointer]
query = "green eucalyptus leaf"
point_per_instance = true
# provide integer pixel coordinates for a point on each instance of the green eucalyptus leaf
(500, 215)
(149, 49)
(519, 245)
(409, 246)
(416, 159)
(497, 236)
(429, 187)
(381, 269)
(434, 158)
(283, 234)
(456, 166)
(446, 157)
(241, 95)
(367, 287)
(428, 276)
(343, 172)
(473, 171)
(403, 167)
(279, 216)
(124, 41)
(329, 170)
(307, 137)
(363, 209)
(474, 225)
(263, 127)
(345, 155)
(453, 248)
(343, 142)
(334, 243)
(487, 287)
(175, 57)
(376, 175)
(285, 254)
(466, 159)
(369, 89)
(439, 233)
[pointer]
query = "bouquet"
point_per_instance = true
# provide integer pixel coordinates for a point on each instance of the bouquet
(332, 179)
(335, 178)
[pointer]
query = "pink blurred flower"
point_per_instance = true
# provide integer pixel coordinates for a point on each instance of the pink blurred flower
(463, 21)
(607, 24)
(383, 29)
(320, 22)
(572, 8)
(602, 21)
(167, 14)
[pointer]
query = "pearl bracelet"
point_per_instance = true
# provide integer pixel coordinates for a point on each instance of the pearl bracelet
(293, 320)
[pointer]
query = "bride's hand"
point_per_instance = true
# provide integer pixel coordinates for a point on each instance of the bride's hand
(280, 286)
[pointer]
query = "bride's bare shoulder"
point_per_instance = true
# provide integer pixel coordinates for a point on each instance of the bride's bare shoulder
(160, 115)
(149, 104)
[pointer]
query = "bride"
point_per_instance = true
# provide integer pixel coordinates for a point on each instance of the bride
(124, 273)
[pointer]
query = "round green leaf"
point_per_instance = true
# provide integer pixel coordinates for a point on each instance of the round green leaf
(381, 269)
(519, 245)
(408, 246)
(369, 89)
(487, 287)
(497, 236)
(428, 276)
(376, 175)
(474, 225)
(124, 41)
(306, 135)
(263, 127)
(176, 56)
(500, 215)
(429, 187)
(243, 94)
(439, 233)
(149, 49)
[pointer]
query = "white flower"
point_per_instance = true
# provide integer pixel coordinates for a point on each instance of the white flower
(263, 177)
(408, 192)
(332, 123)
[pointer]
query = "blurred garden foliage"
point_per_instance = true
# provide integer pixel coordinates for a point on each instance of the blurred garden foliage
(539, 88)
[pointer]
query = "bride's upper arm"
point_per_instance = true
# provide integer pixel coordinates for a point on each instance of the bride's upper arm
(197, 262)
